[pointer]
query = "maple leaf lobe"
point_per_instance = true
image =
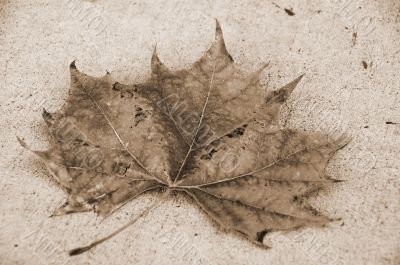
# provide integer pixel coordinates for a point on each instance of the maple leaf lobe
(209, 131)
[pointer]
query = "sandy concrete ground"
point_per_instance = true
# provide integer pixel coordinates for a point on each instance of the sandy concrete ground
(349, 50)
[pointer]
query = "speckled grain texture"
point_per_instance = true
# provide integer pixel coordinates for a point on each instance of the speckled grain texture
(326, 40)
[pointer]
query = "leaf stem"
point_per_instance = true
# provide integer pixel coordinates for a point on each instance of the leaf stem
(155, 204)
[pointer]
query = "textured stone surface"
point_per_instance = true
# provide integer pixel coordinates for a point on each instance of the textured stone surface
(349, 51)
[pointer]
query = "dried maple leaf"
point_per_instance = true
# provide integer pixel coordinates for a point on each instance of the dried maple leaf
(209, 131)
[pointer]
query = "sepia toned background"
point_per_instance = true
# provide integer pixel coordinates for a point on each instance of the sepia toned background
(349, 51)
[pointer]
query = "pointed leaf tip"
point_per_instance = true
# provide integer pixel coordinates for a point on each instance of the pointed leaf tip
(45, 114)
(342, 141)
(218, 28)
(262, 68)
(22, 143)
(337, 180)
(297, 80)
(292, 85)
(219, 36)
(156, 64)
(253, 77)
(218, 46)
(154, 56)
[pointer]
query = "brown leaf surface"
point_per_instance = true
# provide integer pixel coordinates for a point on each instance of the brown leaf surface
(209, 131)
